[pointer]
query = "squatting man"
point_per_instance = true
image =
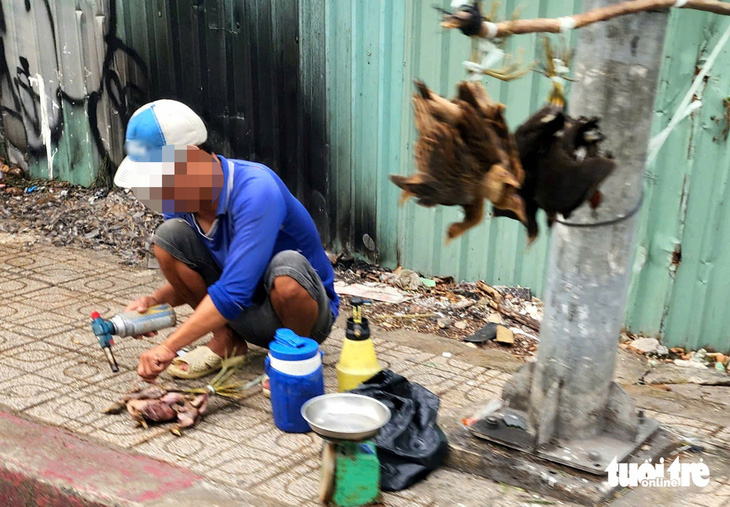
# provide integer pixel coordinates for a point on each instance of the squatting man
(235, 245)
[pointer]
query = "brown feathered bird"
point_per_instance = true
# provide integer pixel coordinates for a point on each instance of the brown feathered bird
(563, 165)
(464, 154)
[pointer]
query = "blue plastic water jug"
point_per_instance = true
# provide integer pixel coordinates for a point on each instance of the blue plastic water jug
(294, 366)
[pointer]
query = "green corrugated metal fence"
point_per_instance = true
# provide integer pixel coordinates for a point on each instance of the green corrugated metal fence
(681, 279)
(376, 48)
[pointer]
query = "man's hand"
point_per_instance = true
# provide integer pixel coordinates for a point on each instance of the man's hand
(140, 305)
(154, 361)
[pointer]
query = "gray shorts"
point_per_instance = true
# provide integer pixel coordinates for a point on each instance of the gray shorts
(257, 323)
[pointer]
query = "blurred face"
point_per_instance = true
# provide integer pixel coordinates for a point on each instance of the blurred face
(190, 178)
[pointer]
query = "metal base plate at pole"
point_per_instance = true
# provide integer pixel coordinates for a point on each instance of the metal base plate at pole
(509, 427)
(538, 475)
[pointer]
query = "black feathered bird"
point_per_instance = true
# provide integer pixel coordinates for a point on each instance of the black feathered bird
(562, 163)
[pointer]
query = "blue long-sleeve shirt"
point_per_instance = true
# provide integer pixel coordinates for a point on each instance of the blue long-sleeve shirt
(257, 217)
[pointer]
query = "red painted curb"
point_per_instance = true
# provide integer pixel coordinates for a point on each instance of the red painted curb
(48, 466)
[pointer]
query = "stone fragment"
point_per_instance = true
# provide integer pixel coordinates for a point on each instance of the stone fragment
(645, 345)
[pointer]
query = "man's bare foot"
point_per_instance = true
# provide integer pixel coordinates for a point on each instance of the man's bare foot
(225, 343)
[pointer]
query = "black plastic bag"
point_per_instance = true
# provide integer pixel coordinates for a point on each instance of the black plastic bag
(411, 445)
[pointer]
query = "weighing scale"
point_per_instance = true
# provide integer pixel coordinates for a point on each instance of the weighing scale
(350, 468)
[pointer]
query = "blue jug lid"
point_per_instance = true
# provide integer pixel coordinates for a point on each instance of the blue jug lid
(289, 346)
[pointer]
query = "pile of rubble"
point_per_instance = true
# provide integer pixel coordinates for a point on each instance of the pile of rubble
(657, 353)
(477, 313)
(63, 214)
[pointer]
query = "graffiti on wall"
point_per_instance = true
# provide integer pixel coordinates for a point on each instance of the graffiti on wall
(65, 62)
(73, 72)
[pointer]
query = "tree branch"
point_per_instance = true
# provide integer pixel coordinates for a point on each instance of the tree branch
(556, 25)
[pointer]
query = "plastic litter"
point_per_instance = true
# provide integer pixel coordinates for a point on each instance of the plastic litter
(411, 445)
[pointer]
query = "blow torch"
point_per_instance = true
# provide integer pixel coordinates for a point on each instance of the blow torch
(130, 324)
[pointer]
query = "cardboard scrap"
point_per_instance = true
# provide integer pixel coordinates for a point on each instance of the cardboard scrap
(376, 293)
(505, 335)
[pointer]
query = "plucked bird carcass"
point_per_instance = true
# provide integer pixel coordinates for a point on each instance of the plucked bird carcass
(562, 163)
(156, 404)
(464, 154)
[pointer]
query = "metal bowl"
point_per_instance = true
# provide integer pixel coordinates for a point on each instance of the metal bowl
(345, 416)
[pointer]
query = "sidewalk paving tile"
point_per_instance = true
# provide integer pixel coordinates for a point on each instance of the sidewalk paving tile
(107, 285)
(193, 446)
(8, 372)
(13, 262)
(10, 339)
(31, 358)
(298, 485)
(57, 273)
(19, 285)
(43, 324)
(28, 390)
(14, 311)
(119, 431)
(51, 298)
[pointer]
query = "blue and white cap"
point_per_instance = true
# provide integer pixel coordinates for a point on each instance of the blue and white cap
(151, 128)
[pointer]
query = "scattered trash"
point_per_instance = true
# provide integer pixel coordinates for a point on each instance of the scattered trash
(700, 356)
(644, 345)
(719, 366)
(92, 234)
(407, 280)
(385, 294)
(62, 215)
(717, 357)
(461, 305)
(505, 335)
(368, 242)
(446, 354)
(427, 282)
(436, 309)
(671, 373)
(518, 292)
(486, 333)
(661, 351)
(495, 318)
(443, 323)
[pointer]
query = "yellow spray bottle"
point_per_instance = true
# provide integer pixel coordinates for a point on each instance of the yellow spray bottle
(357, 361)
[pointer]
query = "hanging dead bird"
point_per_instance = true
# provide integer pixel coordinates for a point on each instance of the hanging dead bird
(563, 165)
(560, 155)
(464, 154)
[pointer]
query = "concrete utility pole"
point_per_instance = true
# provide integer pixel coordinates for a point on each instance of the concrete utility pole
(565, 406)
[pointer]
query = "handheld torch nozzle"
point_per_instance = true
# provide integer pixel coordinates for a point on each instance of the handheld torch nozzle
(103, 329)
